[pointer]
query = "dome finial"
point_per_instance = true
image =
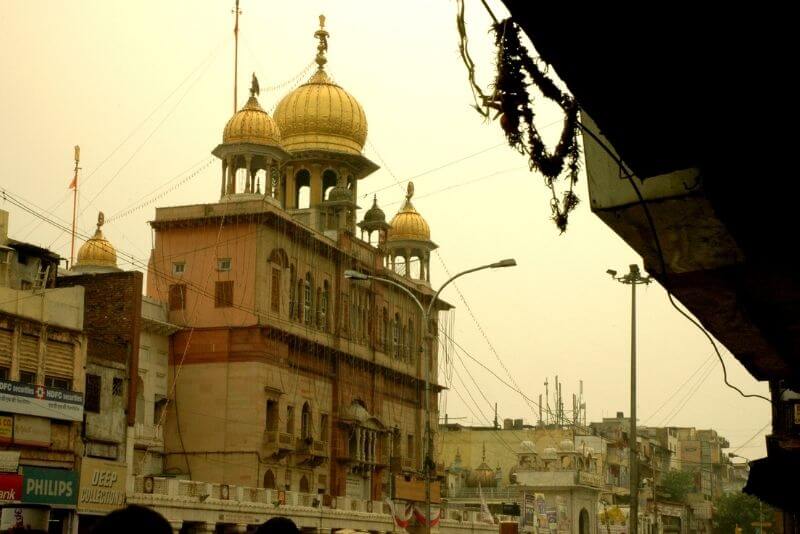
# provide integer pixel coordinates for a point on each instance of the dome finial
(410, 190)
(322, 35)
(254, 89)
(101, 220)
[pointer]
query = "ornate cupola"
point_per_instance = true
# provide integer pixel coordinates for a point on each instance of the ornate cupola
(97, 254)
(408, 242)
(374, 221)
(251, 152)
(324, 128)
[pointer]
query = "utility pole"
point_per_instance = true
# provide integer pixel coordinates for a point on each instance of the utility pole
(633, 278)
(74, 187)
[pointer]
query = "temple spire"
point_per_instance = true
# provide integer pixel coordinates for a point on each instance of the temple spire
(322, 47)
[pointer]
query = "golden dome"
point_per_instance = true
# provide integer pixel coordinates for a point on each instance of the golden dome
(252, 124)
(97, 251)
(320, 115)
(408, 224)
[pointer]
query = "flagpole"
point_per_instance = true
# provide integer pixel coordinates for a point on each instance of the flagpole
(74, 186)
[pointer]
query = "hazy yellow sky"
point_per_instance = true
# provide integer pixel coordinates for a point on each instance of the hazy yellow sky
(145, 88)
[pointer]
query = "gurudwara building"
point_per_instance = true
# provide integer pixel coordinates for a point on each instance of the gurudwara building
(290, 385)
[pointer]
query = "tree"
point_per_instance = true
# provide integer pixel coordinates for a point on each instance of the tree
(740, 509)
(676, 485)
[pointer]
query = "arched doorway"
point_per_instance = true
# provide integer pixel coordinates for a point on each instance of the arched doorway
(583, 522)
(304, 487)
(269, 479)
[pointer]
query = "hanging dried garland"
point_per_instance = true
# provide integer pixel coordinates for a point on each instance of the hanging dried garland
(513, 104)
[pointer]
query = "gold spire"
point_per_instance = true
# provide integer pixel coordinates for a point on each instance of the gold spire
(408, 224)
(322, 35)
(254, 89)
(97, 251)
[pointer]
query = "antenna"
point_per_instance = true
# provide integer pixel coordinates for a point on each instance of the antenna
(496, 425)
(540, 409)
(236, 12)
(74, 186)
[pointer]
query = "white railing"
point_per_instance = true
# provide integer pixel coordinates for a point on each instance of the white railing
(144, 432)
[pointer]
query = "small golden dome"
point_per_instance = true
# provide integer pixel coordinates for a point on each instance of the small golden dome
(252, 124)
(97, 251)
(408, 224)
(320, 115)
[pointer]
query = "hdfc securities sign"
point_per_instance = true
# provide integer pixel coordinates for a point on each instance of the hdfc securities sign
(54, 403)
(102, 486)
(49, 486)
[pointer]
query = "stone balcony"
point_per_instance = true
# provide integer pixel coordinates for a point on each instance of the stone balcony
(187, 502)
(150, 437)
(278, 443)
(311, 452)
(559, 479)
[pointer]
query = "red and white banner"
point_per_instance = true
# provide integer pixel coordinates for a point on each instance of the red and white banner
(419, 515)
(401, 517)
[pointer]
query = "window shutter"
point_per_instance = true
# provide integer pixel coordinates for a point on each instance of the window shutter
(58, 361)
(6, 336)
(29, 353)
(223, 294)
(275, 295)
(177, 297)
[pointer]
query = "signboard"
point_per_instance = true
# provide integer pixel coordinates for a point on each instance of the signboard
(528, 510)
(34, 431)
(30, 399)
(10, 487)
(25, 520)
(102, 487)
(49, 486)
(9, 461)
(413, 489)
(6, 429)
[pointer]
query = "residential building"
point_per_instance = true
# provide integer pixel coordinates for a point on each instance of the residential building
(42, 360)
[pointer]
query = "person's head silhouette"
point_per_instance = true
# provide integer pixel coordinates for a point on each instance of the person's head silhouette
(278, 525)
(133, 520)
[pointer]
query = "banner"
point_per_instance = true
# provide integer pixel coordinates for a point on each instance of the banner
(419, 515)
(30, 399)
(401, 518)
(102, 487)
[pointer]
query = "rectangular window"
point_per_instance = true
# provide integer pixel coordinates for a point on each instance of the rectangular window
(410, 446)
(92, 403)
(158, 410)
(290, 419)
(178, 268)
(323, 427)
(116, 387)
(224, 264)
(27, 377)
(272, 415)
(4, 373)
(177, 297)
(223, 294)
(275, 291)
(59, 383)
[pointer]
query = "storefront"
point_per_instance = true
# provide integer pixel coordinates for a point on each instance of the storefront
(46, 503)
(102, 490)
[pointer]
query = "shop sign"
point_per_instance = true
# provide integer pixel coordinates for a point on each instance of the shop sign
(102, 486)
(32, 431)
(49, 486)
(25, 520)
(9, 461)
(30, 399)
(10, 487)
(6, 429)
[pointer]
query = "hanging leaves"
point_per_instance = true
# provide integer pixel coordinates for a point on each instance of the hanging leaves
(513, 104)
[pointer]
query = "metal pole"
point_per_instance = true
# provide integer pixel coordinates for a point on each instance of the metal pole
(237, 12)
(634, 453)
(426, 445)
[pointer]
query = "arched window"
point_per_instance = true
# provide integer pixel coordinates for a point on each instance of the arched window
(308, 300)
(140, 401)
(305, 421)
(323, 306)
(269, 479)
(304, 486)
(396, 335)
(329, 181)
(300, 285)
(354, 314)
(302, 183)
(404, 343)
(278, 262)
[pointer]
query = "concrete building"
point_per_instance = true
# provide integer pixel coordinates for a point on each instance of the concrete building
(42, 359)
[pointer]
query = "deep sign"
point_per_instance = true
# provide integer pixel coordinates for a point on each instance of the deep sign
(49, 486)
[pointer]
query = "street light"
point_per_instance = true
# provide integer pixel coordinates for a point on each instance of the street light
(633, 278)
(428, 336)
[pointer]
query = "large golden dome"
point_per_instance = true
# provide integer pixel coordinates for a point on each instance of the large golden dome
(320, 115)
(252, 124)
(97, 251)
(408, 224)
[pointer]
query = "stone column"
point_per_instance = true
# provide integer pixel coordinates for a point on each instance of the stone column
(176, 526)
(231, 177)
(315, 197)
(224, 176)
(290, 202)
(248, 181)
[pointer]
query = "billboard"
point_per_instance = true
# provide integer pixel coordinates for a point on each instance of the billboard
(102, 486)
(30, 399)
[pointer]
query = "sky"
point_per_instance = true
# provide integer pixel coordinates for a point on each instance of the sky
(145, 89)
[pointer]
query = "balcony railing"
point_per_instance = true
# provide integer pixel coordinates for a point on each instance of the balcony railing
(281, 443)
(312, 446)
(150, 435)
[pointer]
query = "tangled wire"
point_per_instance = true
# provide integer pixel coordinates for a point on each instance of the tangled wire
(513, 104)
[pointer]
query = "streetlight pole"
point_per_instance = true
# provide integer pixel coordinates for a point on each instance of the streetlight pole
(428, 337)
(633, 278)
